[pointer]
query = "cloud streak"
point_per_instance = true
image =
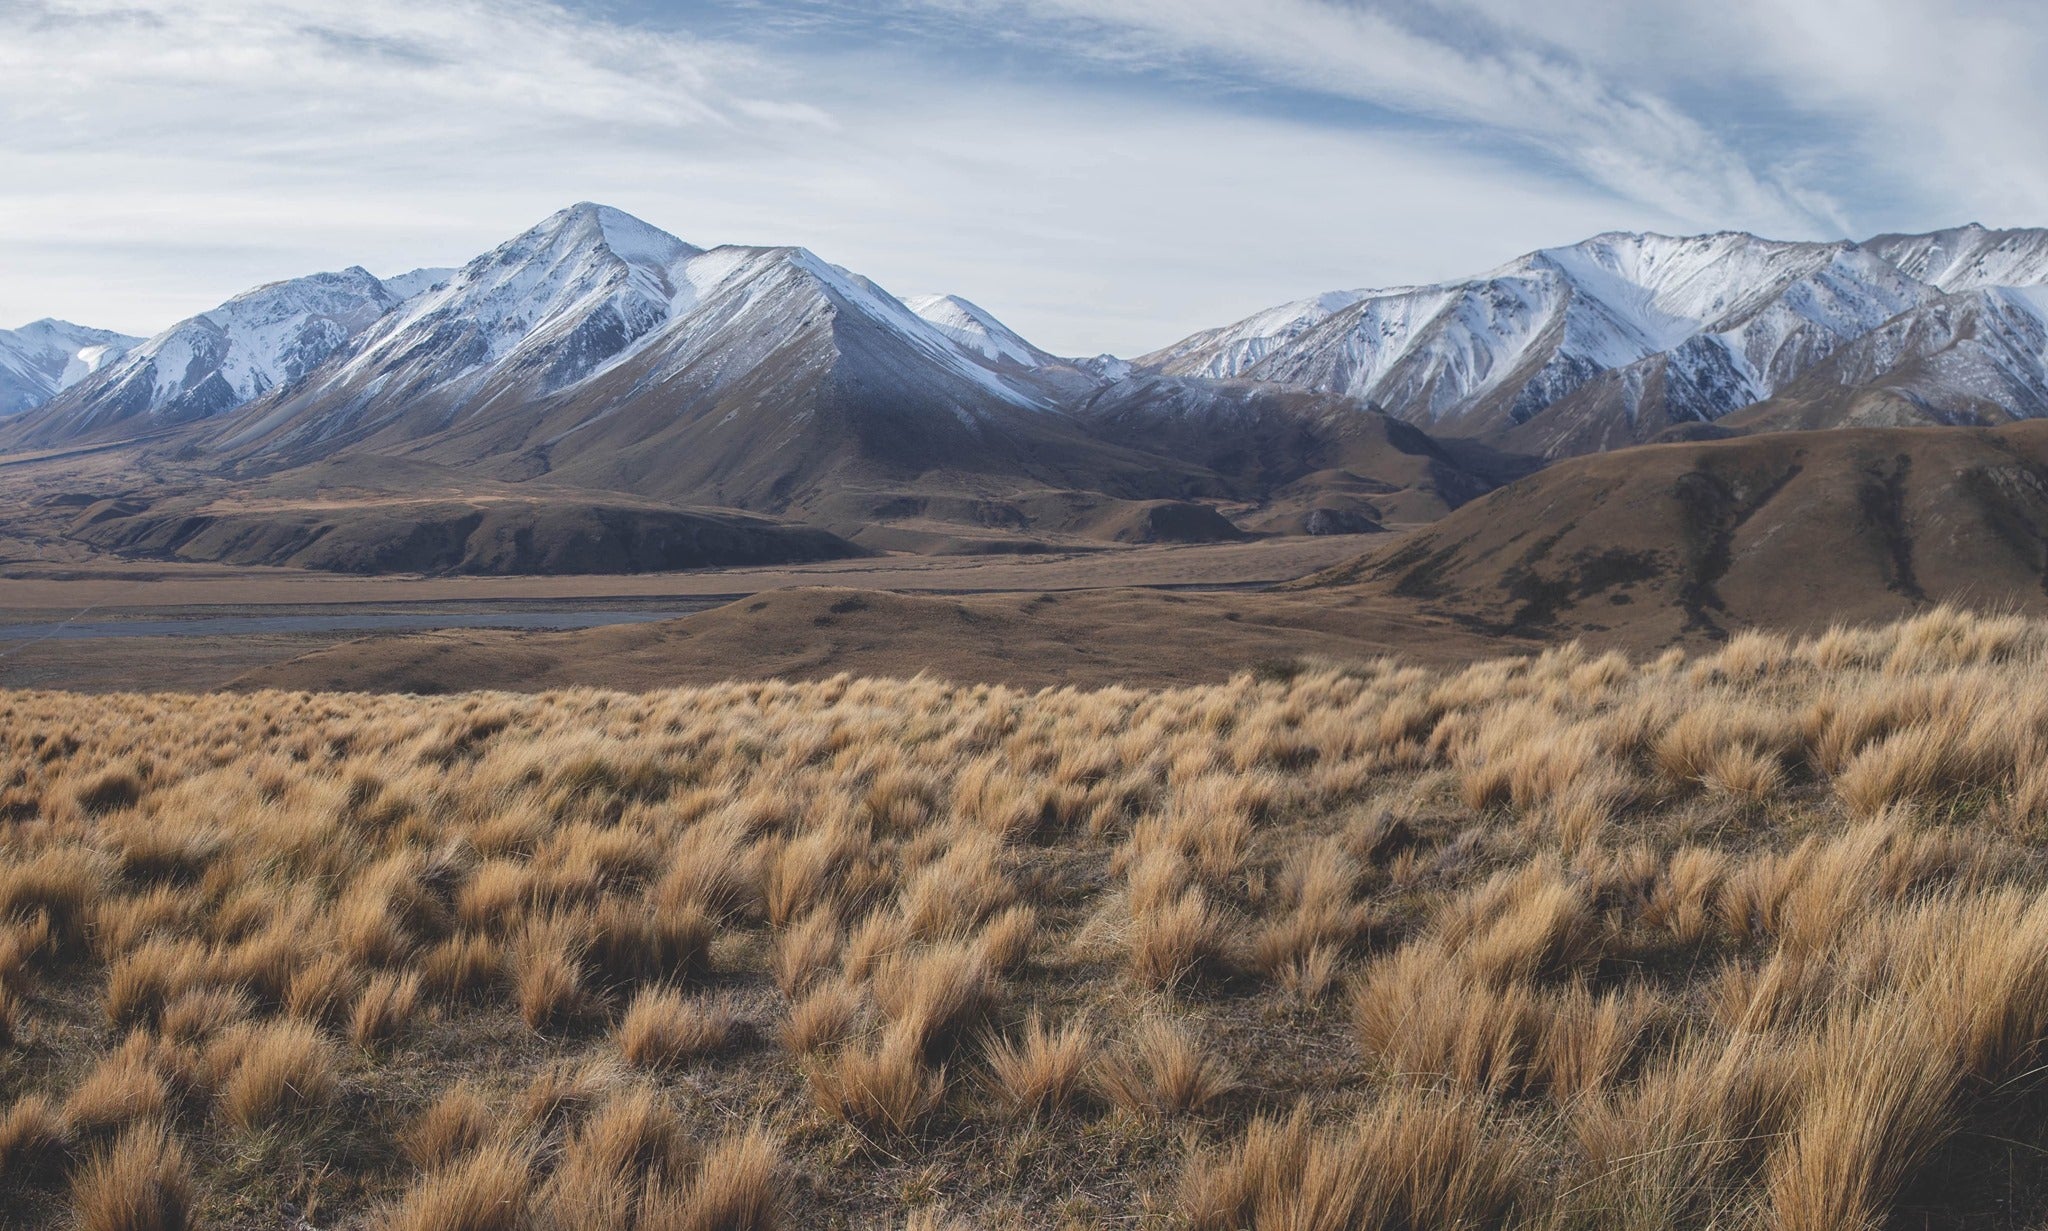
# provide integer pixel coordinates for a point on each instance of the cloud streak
(1105, 174)
(1415, 61)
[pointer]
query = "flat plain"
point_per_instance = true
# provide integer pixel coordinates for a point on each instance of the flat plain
(108, 592)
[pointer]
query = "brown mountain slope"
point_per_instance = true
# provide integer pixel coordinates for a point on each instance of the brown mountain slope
(1691, 540)
(1303, 462)
(387, 515)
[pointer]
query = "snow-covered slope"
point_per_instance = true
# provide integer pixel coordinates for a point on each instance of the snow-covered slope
(1695, 327)
(1969, 258)
(594, 318)
(414, 281)
(214, 362)
(552, 303)
(580, 294)
(1973, 357)
(975, 328)
(1233, 350)
(43, 358)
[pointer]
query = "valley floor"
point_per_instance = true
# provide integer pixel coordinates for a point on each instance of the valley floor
(1757, 938)
(236, 621)
(113, 596)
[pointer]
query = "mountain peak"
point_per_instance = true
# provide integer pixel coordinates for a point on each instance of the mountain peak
(974, 327)
(207, 364)
(632, 240)
(47, 356)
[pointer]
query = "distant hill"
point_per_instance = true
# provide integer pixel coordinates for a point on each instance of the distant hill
(1690, 540)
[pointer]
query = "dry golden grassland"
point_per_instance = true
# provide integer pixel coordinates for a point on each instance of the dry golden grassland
(1758, 939)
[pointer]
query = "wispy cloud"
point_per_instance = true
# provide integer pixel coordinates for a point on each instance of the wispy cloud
(1436, 62)
(165, 154)
(1107, 174)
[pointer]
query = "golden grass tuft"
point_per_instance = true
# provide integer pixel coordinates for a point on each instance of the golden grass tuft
(806, 950)
(34, 1136)
(273, 1073)
(1041, 1071)
(548, 976)
(1877, 1102)
(385, 1010)
(124, 1088)
(739, 1187)
(1162, 1069)
(142, 1183)
(488, 1190)
(1414, 1160)
(457, 1123)
(1176, 942)
(937, 995)
(823, 1017)
(663, 1027)
(882, 1088)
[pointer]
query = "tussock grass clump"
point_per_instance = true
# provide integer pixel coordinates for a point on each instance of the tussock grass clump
(1043, 1070)
(458, 1122)
(488, 1190)
(548, 975)
(823, 1017)
(935, 996)
(384, 1010)
(34, 1136)
(663, 1028)
(124, 1088)
(1176, 942)
(806, 950)
(1414, 1160)
(1163, 1069)
(273, 1073)
(143, 1183)
(1751, 937)
(883, 1087)
(325, 989)
(739, 1186)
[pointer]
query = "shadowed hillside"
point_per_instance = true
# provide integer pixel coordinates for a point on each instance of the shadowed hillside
(377, 515)
(1698, 539)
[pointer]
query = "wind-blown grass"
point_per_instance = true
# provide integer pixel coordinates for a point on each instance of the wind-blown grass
(1757, 938)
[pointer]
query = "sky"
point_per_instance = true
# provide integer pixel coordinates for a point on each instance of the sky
(1104, 175)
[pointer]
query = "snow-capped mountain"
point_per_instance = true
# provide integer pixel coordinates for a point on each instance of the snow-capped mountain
(973, 327)
(583, 292)
(1234, 350)
(43, 358)
(555, 306)
(414, 281)
(1610, 341)
(258, 341)
(1969, 258)
(600, 351)
(1974, 357)
(548, 305)
(595, 348)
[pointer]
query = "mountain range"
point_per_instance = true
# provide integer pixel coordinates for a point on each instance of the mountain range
(597, 354)
(1617, 340)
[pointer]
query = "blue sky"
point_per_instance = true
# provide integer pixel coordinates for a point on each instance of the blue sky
(1103, 174)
